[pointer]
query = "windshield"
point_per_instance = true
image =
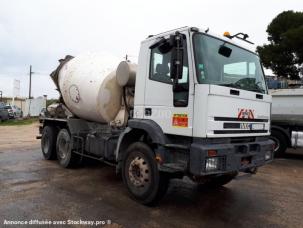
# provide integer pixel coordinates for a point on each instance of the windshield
(8, 107)
(221, 63)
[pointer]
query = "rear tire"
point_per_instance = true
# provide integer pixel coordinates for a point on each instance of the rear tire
(48, 142)
(280, 143)
(145, 183)
(65, 156)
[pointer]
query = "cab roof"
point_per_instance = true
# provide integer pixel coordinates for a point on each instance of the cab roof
(234, 41)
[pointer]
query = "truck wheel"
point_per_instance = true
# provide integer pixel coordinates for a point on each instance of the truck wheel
(280, 143)
(48, 143)
(218, 181)
(63, 147)
(141, 175)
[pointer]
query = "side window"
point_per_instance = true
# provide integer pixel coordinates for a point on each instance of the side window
(160, 66)
(160, 71)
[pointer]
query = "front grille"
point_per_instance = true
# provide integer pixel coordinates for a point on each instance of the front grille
(217, 118)
(239, 131)
(231, 125)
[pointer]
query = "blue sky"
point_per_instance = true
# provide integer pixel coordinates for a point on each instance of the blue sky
(40, 32)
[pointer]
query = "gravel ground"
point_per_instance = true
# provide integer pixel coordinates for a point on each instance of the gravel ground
(34, 189)
(18, 136)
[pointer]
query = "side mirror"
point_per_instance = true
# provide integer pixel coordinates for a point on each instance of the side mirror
(158, 43)
(163, 45)
(176, 69)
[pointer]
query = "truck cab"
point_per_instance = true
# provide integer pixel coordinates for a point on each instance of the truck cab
(217, 95)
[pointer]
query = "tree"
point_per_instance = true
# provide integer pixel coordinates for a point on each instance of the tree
(284, 54)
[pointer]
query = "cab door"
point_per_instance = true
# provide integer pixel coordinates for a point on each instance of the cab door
(172, 111)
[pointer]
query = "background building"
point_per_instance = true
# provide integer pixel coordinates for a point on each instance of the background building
(29, 107)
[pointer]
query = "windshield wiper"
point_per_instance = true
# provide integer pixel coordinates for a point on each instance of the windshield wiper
(237, 86)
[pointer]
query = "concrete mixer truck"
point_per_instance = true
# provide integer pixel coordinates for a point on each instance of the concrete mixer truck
(195, 105)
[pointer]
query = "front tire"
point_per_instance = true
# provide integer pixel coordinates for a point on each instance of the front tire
(64, 149)
(145, 183)
(48, 143)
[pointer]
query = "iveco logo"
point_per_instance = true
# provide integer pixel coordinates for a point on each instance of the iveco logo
(245, 126)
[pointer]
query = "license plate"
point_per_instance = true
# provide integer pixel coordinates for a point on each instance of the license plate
(257, 126)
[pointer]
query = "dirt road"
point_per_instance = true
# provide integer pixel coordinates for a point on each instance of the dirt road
(34, 189)
(18, 136)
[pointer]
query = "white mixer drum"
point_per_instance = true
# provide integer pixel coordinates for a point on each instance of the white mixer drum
(89, 88)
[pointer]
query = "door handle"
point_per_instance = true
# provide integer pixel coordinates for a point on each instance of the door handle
(148, 111)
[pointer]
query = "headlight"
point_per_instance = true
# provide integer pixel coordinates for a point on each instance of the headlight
(268, 155)
(212, 164)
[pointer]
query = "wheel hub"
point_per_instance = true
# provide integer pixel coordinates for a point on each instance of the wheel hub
(139, 172)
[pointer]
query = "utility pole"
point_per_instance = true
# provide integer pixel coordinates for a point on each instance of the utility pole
(30, 82)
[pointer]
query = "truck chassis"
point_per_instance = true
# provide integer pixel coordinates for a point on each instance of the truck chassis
(147, 158)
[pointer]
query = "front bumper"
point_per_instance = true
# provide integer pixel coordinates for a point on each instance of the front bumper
(240, 157)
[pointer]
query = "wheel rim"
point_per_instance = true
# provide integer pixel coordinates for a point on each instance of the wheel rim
(139, 173)
(62, 148)
(277, 143)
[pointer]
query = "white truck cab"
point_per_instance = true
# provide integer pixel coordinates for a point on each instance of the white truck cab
(221, 96)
